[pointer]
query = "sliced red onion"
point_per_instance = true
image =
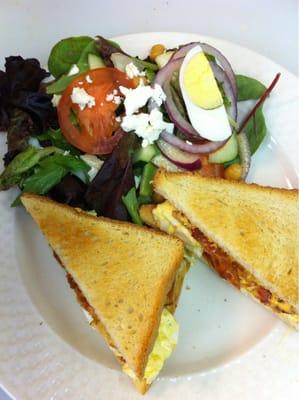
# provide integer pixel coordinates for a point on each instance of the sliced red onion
(244, 153)
(204, 148)
(162, 162)
(176, 117)
(181, 159)
(223, 62)
(182, 51)
(222, 78)
(163, 75)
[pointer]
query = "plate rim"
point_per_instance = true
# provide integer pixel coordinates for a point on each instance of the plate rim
(230, 43)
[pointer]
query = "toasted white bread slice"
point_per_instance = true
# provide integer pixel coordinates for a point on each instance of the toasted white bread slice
(123, 271)
(256, 226)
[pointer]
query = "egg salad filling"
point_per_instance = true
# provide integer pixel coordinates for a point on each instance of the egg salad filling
(173, 222)
(164, 345)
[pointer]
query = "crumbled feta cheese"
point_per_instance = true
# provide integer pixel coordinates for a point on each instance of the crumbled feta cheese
(111, 97)
(55, 99)
(138, 97)
(131, 70)
(66, 152)
(74, 70)
(187, 141)
(118, 119)
(82, 98)
(135, 98)
(117, 100)
(146, 126)
(94, 163)
(115, 92)
(88, 79)
(158, 95)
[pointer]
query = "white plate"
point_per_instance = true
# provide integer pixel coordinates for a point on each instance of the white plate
(50, 344)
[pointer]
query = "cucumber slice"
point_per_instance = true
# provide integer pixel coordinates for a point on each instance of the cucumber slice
(163, 59)
(226, 153)
(95, 61)
(145, 153)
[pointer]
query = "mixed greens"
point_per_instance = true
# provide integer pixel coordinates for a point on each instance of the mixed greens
(62, 144)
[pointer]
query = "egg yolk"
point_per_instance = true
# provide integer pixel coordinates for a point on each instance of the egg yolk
(200, 83)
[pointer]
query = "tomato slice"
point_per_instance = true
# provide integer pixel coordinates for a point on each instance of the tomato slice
(91, 129)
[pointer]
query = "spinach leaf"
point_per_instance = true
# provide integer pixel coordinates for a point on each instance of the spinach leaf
(66, 53)
(57, 87)
(255, 129)
(56, 138)
(249, 88)
(81, 62)
(131, 203)
(50, 171)
(21, 164)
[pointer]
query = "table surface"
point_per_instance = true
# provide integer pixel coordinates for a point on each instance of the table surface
(269, 27)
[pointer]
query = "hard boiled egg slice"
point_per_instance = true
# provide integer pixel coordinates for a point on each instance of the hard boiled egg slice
(202, 97)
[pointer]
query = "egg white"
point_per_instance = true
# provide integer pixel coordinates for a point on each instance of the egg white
(211, 124)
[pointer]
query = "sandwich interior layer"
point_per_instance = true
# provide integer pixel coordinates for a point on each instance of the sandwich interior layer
(225, 265)
(167, 332)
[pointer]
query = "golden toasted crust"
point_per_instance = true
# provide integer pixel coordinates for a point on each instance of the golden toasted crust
(257, 226)
(124, 271)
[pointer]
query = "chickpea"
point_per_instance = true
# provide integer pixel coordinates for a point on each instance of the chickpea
(156, 51)
(233, 172)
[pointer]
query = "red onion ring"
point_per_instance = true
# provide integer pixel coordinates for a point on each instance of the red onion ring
(204, 148)
(222, 78)
(163, 78)
(180, 158)
(182, 51)
(223, 62)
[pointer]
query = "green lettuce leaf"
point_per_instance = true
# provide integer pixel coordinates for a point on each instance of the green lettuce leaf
(23, 163)
(131, 203)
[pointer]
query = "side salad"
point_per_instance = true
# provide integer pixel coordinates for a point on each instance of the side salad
(93, 129)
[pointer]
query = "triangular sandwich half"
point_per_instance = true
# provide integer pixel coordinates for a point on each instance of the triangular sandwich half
(246, 232)
(127, 277)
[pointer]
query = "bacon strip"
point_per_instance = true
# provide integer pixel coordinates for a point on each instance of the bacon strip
(233, 272)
